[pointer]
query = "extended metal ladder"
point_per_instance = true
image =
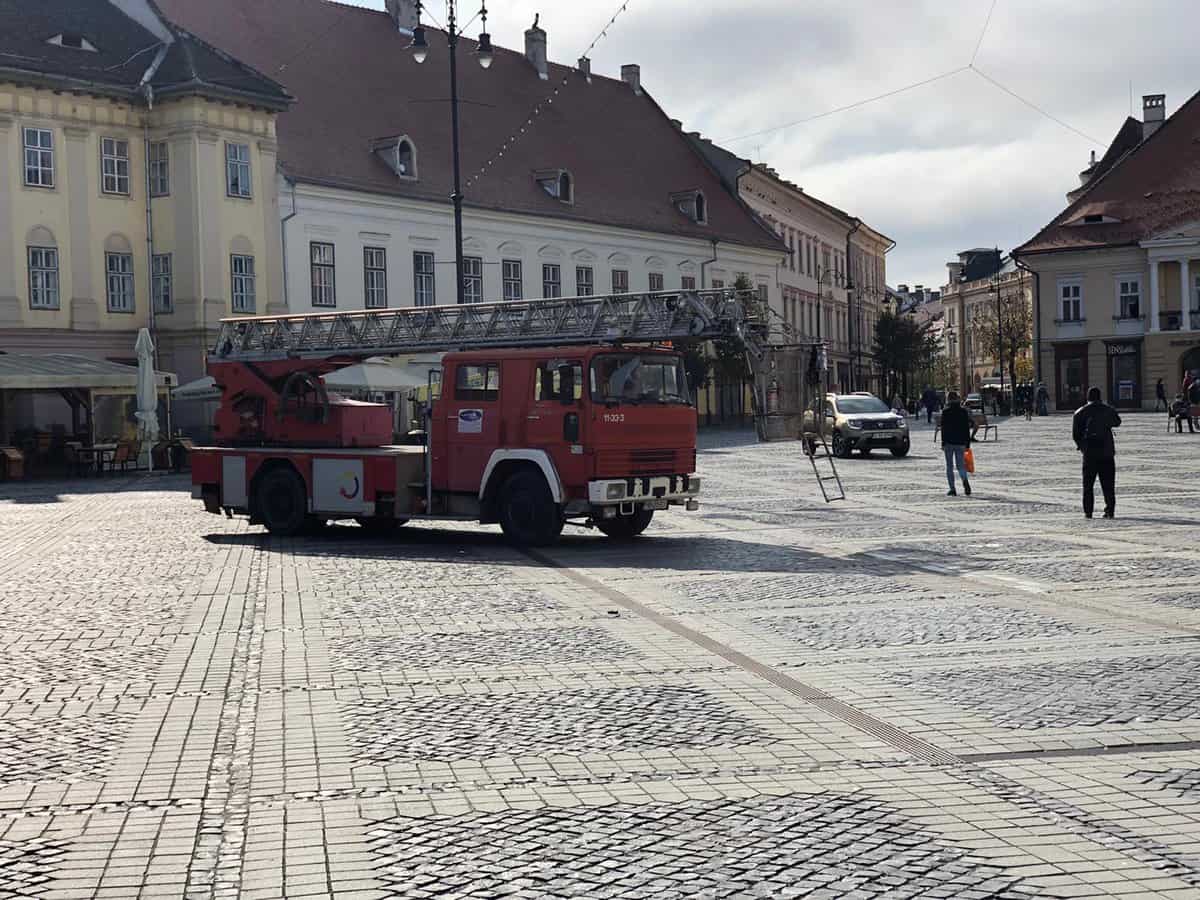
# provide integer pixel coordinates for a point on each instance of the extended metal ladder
(604, 319)
(826, 470)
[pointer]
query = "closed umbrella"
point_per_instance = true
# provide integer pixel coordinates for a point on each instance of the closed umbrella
(147, 395)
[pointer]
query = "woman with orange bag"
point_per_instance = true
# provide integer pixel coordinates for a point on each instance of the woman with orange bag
(956, 441)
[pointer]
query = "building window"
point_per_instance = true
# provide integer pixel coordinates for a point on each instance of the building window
(43, 278)
(1129, 297)
(423, 283)
(39, 157)
(375, 277)
(551, 280)
(620, 281)
(160, 169)
(687, 282)
(763, 296)
(472, 279)
(114, 166)
(237, 170)
(584, 281)
(1071, 301)
(323, 287)
(160, 283)
(656, 281)
(718, 284)
(242, 269)
(808, 252)
(119, 282)
(514, 284)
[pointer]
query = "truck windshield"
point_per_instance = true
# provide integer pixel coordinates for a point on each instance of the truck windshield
(862, 405)
(639, 378)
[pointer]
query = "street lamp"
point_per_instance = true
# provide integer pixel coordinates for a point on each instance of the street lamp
(484, 54)
(999, 325)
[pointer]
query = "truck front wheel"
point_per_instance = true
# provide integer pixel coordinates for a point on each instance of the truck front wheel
(529, 516)
(282, 501)
(624, 528)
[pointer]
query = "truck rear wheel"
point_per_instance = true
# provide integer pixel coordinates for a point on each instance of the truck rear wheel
(282, 501)
(624, 528)
(529, 516)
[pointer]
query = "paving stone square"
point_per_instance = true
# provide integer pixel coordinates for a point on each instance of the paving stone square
(901, 695)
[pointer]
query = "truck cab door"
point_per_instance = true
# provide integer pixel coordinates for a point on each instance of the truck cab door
(470, 411)
(556, 420)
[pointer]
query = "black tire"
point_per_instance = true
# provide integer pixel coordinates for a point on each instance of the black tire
(379, 524)
(841, 446)
(282, 501)
(901, 451)
(626, 528)
(528, 514)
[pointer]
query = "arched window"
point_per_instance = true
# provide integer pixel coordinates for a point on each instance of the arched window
(405, 161)
(398, 153)
(701, 208)
(42, 257)
(565, 188)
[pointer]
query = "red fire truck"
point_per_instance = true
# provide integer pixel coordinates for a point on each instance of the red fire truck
(543, 412)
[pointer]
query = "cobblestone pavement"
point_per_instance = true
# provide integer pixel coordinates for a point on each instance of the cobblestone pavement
(901, 695)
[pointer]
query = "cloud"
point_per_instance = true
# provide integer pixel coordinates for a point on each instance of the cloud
(941, 168)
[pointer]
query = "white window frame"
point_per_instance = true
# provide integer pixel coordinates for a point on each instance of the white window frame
(424, 279)
(43, 277)
(238, 181)
(1061, 286)
(161, 287)
(41, 154)
(322, 268)
(620, 281)
(551, 280)
(655, 281)
(243, 288)
(687, 282)
(512, 276)
(375, 277)
(472, 276)
(160, 169)
(118, 282)
(585, 281)
(114, 166)
(1120, 282)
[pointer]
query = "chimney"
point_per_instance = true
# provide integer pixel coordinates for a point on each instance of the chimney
(403, 13)
(535, 49)
(585, 68)
(1154, 113)
(631, 74)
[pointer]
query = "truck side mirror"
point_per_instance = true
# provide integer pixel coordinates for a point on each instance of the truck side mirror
(566, 385)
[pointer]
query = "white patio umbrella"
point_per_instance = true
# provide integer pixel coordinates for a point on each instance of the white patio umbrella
(147, 395)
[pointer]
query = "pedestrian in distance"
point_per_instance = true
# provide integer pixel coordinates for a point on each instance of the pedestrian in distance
(1092, 430)
(929, 401)
(1160, 396)
(1043, 399)
(1192, 395)
(956, 438)
(1181, 412)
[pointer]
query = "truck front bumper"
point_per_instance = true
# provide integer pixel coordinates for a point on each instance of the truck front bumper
(656, 492)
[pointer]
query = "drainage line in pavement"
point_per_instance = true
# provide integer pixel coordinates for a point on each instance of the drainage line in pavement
(853, 717)
(1111, 750)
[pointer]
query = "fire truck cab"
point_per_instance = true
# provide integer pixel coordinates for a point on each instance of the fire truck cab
(531, 439)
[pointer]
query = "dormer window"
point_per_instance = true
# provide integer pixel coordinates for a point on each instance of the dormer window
(72, 42)
(399, 154)
(692, 204)
(557, 183)
(1097, 214)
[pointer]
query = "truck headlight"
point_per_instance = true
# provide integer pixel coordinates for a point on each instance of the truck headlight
(855, 424)
(615, 491)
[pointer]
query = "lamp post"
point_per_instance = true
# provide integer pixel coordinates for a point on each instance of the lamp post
(483, 52)
(999, 324)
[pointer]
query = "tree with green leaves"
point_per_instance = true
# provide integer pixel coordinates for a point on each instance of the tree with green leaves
(903, 347)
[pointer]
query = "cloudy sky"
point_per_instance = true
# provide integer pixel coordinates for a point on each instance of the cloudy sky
(954, 164)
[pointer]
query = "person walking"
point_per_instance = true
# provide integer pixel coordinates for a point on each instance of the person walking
(1043, 399)
(929, 400)
(1092, 430)
(1181, 412)
(956, 438)
(1160, 396)
(1192, 395)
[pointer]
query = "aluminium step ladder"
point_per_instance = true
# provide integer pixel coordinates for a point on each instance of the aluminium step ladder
(825, 470)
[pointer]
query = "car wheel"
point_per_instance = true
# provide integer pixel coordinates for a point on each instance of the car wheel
(841, 446)
(624, 528)
(902, 450)
(282, 501)
(529, 516)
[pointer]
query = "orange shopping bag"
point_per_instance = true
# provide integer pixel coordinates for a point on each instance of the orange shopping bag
(969, 459)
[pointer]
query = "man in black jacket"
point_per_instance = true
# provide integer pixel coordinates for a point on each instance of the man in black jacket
(956, 438)
(1092, 430)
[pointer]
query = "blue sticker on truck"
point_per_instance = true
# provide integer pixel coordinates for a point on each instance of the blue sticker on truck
(470, 421)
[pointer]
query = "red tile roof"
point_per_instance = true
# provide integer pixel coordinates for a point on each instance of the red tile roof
(355, 81)
(1155, 187)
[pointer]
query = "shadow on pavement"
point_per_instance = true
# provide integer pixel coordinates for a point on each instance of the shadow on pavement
(53, 490)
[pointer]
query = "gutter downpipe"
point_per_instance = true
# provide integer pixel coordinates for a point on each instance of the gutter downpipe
(1037, 317)
(283, 243)
(856, 343)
